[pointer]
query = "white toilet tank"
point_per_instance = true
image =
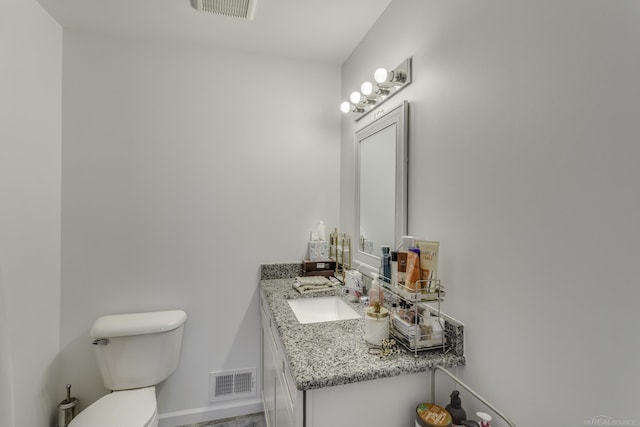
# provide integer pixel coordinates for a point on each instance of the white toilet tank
(138, 350)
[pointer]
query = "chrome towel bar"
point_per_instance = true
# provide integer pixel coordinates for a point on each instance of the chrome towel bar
(466, 387)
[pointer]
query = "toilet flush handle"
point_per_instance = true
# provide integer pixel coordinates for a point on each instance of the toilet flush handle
(102, 341)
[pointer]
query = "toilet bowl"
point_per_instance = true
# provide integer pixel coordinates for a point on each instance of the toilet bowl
(135, 352)
(128, 408)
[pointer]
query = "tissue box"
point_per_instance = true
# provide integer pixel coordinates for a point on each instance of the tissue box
(310, 266)
(318, 268)
(318, 250)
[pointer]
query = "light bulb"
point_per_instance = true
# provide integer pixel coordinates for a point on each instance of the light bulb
(345, 107)
(366, 88)
(355, 97)
(381, 75)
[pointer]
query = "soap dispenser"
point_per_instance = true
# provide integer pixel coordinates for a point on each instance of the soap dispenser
(375, 293)
(455, 408)
(376, 319)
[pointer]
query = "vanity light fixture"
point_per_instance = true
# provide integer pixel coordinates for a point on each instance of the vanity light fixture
(368, 96)
(395, 77)
(388, 82)
(381, 75)
(382, 91)
(347, 107)
(366, 88)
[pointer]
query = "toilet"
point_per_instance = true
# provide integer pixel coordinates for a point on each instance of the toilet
(135, 352)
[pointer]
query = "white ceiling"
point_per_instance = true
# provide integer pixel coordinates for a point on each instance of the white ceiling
(318, 30)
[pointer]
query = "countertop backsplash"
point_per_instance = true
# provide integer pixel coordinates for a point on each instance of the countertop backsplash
(280, 271)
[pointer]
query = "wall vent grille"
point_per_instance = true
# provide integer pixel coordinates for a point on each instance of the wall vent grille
(228, 385)
(243, 9)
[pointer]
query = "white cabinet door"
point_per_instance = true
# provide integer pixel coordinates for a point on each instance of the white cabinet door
(279, 395)
(284, 408)
(269, 374)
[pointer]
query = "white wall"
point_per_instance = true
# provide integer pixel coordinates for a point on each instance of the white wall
(185, 168)
(30, 144)
(523, 164)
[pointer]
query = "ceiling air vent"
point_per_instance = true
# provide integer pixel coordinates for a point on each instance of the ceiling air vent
(243, 9)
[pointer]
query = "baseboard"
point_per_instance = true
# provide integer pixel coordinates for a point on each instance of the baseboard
(210, 413)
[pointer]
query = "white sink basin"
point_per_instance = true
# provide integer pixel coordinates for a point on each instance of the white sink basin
(322, 309)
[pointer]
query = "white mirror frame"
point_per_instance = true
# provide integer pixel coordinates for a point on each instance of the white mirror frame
(398, 116)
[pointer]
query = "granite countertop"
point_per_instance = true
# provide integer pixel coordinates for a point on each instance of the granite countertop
(334, 353)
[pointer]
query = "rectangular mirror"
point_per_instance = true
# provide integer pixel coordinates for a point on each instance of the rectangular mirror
(381, 184)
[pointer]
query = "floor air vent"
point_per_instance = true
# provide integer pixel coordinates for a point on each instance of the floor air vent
(228, 385)
(243, 9)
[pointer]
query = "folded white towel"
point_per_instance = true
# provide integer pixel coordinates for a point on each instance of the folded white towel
(313, 281)
(309, 284)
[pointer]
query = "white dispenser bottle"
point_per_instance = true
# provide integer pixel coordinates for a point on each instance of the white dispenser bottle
(376, 318)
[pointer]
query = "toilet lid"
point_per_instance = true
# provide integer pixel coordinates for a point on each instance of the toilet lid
(128, 408)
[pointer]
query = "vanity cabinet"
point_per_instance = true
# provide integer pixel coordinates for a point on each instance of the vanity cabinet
(380, 402)
(279, 394)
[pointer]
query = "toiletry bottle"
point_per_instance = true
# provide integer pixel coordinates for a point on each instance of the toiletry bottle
(412, 277)
(407, 242)
(455, 408)
(402, 268)
(486, 419)
(386, 263)
(394, 269)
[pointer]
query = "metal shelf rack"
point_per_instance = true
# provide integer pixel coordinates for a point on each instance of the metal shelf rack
(425, 292)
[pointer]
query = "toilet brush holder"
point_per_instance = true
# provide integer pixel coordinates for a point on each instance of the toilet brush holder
(67, 409)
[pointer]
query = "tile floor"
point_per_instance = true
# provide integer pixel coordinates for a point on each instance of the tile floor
(253, 420)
